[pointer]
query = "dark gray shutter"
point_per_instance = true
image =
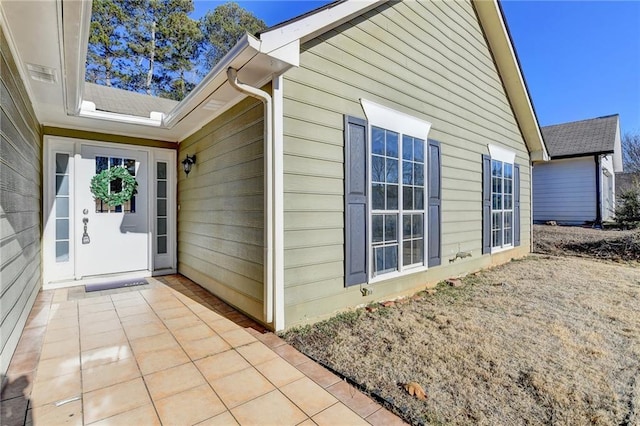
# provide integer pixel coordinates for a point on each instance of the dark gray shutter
(486, 204)
(516, 204)
(435, 196)
(355, 197)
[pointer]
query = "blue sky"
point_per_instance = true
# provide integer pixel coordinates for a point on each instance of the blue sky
(581, 59)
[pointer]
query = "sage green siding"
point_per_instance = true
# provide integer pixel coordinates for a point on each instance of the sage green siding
(429, 60)
(20, 206)
(220, 216)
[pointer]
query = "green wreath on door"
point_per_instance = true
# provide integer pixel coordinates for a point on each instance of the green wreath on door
(101, 182)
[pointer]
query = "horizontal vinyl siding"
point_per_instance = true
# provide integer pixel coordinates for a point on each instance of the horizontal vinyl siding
(220, 217)
(429, 60)
(565, 191)
(20, 206)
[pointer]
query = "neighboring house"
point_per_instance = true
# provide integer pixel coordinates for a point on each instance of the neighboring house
(394, 151)
(578, 185)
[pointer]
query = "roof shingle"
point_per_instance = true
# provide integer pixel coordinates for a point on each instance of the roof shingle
(577, 138)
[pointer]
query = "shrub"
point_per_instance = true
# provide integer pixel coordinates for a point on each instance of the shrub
(627, 214)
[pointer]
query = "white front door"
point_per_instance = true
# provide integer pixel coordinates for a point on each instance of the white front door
(110, 239)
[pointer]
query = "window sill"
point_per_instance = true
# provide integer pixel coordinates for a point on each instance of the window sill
(397, 274)
(501, 249)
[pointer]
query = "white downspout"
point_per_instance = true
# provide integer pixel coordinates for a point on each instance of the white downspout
(232, 76)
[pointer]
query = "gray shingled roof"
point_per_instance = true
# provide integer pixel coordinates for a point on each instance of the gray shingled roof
(121, 101)
(581, 137)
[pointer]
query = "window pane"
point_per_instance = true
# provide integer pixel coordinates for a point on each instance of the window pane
(496, 204)
(62, 229)
(407, 173)
(417, 225)
(390, 227)
(391, 258)
(496, 223)
(62, 251)
(377, 230)
(392, 170)
(508, 170)
(418, 256)
(116, 162)
(162, 170)
(418, 201)
(392, 197)
(162, 189)
(62, 207)
(407, 197)
(406, 253)
(406, 226)
(130, 166)
(378, 141)
(377, 195)
(62, 185)
(392, 144)
(508, 202)
(377, 169)
(508, 236)
(162, 207)
(407, 147)
(496, 185)
(418, 149)
(507, 219)
(418, 171)
(162, 245)
(378, 253)
(162, 226)
(496, 168)
(62, 163)
(116, 185)
(102, 164)
(508, 186)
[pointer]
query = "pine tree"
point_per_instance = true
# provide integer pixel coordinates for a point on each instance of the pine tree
(222, 28)
(106, 49)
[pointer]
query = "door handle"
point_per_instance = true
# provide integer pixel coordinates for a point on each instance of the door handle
(85, 235)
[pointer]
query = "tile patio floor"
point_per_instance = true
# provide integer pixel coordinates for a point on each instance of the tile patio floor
(166, 353)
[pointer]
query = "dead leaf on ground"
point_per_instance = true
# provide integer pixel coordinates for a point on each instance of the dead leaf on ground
(416, 390)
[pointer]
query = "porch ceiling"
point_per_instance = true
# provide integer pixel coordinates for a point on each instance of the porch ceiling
(52, 36)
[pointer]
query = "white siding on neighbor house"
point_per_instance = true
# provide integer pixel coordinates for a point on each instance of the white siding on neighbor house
(564, 191)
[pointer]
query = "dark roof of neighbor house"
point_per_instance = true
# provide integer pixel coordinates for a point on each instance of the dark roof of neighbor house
(578, 138)
(111, 99)
(626, 181)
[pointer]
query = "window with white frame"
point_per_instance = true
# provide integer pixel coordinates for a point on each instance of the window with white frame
(501, 204)
(397, 213)
(397, 197)
(392, 198)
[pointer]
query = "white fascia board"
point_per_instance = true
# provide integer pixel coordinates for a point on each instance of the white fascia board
(248, 46)
(88, 112)
(617, 150)
(74, 42)
(289, 53)
(315, 24)
(494, 27)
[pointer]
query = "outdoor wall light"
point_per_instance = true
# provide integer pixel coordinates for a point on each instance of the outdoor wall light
(188, 162)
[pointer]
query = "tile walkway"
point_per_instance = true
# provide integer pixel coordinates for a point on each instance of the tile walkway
(167, 353)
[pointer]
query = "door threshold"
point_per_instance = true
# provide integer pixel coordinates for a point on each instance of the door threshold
(98, 279)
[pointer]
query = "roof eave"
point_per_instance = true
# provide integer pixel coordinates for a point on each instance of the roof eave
(497, 34)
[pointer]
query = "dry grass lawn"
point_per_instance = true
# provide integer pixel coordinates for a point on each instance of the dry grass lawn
(545, 340)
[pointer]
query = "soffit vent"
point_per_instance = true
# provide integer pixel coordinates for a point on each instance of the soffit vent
(42, 73)
(213, 105)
